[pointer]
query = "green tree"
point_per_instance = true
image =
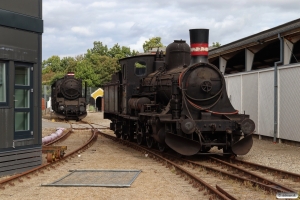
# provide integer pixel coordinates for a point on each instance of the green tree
(55, 77)
(107, 67)
(153, 42)
(120, 52)
(84, 70)
(99, 48)
(52, 63)
(68, 64)
(95, 67)
(217, 44)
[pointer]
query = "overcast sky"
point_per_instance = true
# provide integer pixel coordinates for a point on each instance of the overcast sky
(71, 26)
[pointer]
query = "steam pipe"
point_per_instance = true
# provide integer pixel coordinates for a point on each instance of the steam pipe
(276, 90)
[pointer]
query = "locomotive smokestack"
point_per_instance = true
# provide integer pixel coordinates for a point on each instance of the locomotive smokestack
(199, 45)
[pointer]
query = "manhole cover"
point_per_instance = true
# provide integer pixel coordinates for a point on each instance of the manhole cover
(97, 178)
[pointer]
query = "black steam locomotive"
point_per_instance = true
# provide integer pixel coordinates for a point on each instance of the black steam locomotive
(67, 100)
(177, 100)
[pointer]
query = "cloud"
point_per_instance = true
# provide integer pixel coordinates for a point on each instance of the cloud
(82, 31)
(71, 26)
(138, 45)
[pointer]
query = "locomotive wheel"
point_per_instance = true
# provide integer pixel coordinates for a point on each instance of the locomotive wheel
(139, 139)
(57, 154)
(131, 137)
(124, 136)
(50, 157)
(118, 134)
(62, 153)
(131, 133)
(161, 147)
(150, 141)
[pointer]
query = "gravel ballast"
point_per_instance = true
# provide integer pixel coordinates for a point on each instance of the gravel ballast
(154, 182)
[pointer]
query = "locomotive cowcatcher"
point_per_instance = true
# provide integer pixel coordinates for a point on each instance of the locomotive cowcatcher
(67, 100)
(177, 100)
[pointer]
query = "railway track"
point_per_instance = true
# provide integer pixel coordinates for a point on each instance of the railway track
(10, 181)
(205, 189)
(224, 176)
(289, 179)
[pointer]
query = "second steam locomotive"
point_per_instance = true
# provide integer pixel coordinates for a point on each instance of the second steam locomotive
(177, 100)
(67, 100)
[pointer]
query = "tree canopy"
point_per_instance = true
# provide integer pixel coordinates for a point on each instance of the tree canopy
(216, 44)
(95, 67)
(153, 42)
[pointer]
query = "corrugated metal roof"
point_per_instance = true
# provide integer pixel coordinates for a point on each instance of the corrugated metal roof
(270, 34)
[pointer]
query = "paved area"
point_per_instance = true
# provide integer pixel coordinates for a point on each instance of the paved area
(50, 124)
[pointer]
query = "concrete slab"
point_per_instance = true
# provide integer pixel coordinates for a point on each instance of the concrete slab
(49, 124)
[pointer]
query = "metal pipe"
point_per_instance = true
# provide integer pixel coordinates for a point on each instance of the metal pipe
(276, 90)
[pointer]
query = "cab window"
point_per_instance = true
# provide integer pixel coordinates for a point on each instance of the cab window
(140, 68)
(3, 83)
(124, 71)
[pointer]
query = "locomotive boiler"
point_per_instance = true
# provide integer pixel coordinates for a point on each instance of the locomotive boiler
(177, 100)
(67, 100)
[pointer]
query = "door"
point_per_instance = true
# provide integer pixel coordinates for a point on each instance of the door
(23, 99)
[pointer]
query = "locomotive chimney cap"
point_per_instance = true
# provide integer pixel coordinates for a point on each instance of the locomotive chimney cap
(179, 41)
(199, 45)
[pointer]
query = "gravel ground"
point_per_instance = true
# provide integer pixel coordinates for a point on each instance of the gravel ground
(154, 182)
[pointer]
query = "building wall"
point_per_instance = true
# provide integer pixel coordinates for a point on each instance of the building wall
(21, 28)
(25, 7)
(253, 92)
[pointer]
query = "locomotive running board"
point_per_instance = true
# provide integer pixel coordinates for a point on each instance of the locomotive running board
(182, 145)
(243, 146)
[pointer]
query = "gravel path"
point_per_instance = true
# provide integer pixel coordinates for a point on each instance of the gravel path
(154, 182)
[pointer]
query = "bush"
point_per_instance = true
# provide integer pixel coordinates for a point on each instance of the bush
(91, 108)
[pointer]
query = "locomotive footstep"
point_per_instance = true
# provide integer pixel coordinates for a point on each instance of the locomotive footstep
(182, 145)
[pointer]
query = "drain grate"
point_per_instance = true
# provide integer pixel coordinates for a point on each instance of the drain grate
(97, 178)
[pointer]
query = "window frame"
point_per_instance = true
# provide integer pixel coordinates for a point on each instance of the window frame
(25, 134)
(6, 84)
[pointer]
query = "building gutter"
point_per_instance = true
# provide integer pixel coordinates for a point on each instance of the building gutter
(276, 89)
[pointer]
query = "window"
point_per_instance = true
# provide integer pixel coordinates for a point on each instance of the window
(124, 71)
(3, 81)
(22, 76)
(140, 68)
(23, 99)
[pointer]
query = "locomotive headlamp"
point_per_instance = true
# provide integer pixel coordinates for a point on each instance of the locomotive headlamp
(247, 126)
(61, 107)
(81, 108)
(188, 126)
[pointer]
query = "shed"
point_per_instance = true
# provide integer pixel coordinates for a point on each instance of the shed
(98, 99)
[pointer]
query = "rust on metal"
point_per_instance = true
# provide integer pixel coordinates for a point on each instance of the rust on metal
(225, 193)
(41, 168)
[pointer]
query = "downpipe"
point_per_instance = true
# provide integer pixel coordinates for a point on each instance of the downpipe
(276, 90)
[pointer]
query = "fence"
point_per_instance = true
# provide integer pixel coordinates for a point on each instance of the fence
(253, 92)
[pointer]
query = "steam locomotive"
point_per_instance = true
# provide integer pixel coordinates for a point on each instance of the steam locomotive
(177, 100)
(67, 100)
